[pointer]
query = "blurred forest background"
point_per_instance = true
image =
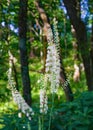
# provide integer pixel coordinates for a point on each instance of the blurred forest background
(23, 42)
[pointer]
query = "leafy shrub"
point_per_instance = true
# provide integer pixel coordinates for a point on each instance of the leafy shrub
(13, 122)
(77, 115)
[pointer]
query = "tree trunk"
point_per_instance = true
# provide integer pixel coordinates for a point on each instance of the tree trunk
(15, 75)
(66, 87)
(23, 50)
(76, 58)
(81, 34)
(12, 61)
(63, 78)
(91, 50)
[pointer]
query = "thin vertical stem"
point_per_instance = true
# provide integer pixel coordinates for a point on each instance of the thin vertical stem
(42, 122)
(51, 112)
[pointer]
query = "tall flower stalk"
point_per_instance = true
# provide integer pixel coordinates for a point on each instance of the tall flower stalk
(43, 95)
(52, 76)
(53, 64)
(53, 59)
(18, 99)
(43, 101)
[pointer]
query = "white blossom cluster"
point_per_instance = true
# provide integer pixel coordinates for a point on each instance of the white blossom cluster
(55, 32)
(56, 37)
(43, 101)
(22, 105)
(53, 59)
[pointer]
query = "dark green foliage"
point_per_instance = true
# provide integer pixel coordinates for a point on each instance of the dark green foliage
(4, 92)
(77, 115)
(13, 122)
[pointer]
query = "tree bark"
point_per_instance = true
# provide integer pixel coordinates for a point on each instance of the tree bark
(67, 89)
(91, 48)
(12, 61)
(23, 50)
(81, 34)
(76, 58)
(15, 75)
(63, 78)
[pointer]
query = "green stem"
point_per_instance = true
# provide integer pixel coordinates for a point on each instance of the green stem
(42, 122)
(29, 127)
(51, 112)
(39, 123)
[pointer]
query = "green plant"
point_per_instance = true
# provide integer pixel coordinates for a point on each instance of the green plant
(52, 77)
(77, 115)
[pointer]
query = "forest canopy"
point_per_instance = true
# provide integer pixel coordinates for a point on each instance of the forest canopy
(46, 64)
